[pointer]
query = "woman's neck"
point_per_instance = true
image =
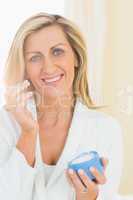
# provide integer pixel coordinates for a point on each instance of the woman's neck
(53, 112)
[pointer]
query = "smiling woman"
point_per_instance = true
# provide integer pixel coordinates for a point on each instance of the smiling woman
(22, 10)
(48, 61)
(38, 54)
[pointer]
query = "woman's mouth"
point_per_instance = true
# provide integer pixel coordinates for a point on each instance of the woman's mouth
(52, 80)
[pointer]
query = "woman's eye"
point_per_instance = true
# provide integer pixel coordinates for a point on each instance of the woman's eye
(57, 52)
(35, 58)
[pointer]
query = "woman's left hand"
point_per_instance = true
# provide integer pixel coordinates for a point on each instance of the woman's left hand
(90, 192)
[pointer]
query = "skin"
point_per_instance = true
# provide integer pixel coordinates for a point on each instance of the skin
(92, 186)
(52, 62)
(55, 57)
(48, 52)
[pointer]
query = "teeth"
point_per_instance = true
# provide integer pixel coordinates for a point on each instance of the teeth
(52, 79)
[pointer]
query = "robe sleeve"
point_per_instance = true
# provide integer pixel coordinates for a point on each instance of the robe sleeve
(16, 175)
(112, 143)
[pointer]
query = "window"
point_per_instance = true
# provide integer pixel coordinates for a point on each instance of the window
(12, 14)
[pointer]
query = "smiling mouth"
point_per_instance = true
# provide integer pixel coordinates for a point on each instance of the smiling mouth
(50, 81)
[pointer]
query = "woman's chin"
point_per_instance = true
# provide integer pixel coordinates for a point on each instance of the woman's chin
(53, 91)
(50, 92)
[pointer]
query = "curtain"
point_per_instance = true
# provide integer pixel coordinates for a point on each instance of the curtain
(90, 16)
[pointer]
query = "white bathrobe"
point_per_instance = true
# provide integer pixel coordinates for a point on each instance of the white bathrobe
(89, 130)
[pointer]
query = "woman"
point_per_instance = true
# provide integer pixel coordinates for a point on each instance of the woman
(47, 67)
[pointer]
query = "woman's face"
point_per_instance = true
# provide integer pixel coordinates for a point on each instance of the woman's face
(50, 61)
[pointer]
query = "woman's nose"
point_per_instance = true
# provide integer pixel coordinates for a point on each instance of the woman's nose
(48, 65)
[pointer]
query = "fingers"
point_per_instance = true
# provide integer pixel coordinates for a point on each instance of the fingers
(17, 89)
(74, 180)
(69, 179)
(105, 162)
(23, 98)
(81, 181)
(15, 95)
(77, 183)
(100, 177)
(86, 180)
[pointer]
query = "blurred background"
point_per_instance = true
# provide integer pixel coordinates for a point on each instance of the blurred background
(108, 30)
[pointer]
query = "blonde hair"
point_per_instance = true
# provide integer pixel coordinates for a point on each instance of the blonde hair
(15, 65)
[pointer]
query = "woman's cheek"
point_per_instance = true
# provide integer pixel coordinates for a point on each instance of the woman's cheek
(33, 70)
(70, 78)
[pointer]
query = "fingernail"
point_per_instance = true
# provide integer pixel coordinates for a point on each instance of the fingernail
(70, 171)
(80, 171)
(26, 83)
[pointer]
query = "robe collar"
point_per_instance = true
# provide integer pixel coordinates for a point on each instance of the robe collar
(72, 143)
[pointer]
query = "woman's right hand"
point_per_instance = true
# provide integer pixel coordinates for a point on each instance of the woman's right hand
(16, 98)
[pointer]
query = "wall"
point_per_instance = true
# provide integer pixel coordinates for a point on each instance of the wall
(118, 78)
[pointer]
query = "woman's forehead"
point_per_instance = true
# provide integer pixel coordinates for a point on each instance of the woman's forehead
(47, 37)
(47, 34)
